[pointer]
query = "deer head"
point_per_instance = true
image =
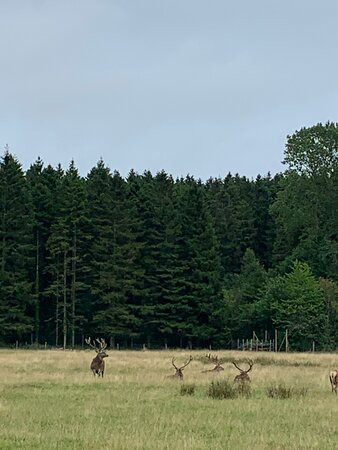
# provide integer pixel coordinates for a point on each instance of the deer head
(243, 376)
(218, 363)
(179, 370)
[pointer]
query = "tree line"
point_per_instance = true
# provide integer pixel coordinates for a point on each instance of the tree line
(149, 258)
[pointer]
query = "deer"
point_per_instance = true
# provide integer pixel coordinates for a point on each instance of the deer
(218, 363)
(97, 365)
(243, 376)
(179, 370)
(334, 380)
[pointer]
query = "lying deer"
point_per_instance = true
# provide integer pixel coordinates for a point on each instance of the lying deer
(179, 370)
(218, 363)
(243, 376)
(97, 365)
(334, 380)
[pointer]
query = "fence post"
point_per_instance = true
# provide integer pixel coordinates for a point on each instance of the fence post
(276, 341)
(286, 341)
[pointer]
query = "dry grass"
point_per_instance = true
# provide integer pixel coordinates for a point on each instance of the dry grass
(50, 400)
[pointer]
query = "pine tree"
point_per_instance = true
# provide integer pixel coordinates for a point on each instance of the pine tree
(297, 303)
(42, 188)
(16, 299)
(55, 246)
(242, 307)
(67, 245)
(113, 253)
(158, 254)
(198, 282)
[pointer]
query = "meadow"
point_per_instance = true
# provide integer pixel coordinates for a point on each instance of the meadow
(50, 400)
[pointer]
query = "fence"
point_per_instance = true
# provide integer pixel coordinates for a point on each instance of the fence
(265, 344)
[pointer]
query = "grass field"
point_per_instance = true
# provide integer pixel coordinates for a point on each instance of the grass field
(50, 400)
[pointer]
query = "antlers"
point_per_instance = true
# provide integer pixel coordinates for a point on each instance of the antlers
(102, 344)
(179, 370)
(241, 370)
(185, 365)
(218, 363)
(243, 376)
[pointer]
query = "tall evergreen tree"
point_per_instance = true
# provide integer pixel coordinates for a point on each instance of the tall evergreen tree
(114, 252)
(199, 280)
(16, 299)
(297, 303)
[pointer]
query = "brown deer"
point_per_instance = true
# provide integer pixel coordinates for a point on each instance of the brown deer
(334, 380)
(243, 376)
(218, 363)
(97, 365)
(179, 370)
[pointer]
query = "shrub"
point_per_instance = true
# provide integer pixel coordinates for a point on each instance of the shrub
(222, 389)
(243, 388)
(187, 389)
(282, 391)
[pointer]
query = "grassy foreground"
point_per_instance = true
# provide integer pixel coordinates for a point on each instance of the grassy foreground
(50, 400)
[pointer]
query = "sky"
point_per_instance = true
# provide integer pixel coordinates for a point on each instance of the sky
(189, 86)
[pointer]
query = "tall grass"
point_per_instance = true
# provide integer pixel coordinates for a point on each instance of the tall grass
(50, 400)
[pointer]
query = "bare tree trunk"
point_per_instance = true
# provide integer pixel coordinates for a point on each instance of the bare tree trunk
(64, 299)
(37, 290)
(3, 252)
(57, 305)
(73, 289)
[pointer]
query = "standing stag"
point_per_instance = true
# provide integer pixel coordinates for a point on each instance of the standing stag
(97, 365)
(334, 380)
(243, 376)
(179, 370)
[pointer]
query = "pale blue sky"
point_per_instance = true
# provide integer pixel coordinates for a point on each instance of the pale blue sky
(189, 86)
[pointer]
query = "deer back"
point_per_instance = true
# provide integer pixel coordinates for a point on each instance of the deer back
(334, 380)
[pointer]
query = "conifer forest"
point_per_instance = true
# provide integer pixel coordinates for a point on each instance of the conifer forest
(172, 262)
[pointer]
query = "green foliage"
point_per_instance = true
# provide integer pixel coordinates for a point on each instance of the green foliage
(187, 389)
(244, 388)
(313, 151)
(114, 253)
(241, 305)
(282, 391)
(297, 304)
(305, 210)
(16, 237)
(149, 259)
(330, 292)
(222, 389)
